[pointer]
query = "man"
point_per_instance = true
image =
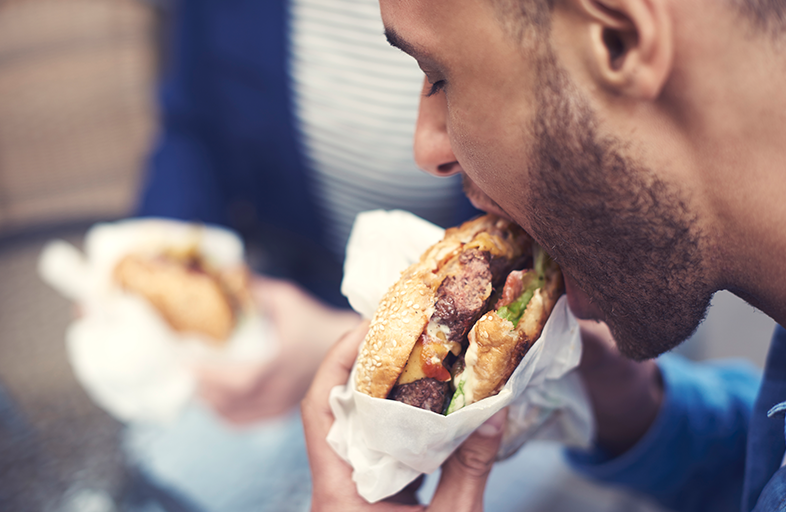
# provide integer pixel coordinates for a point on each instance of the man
(642, 143)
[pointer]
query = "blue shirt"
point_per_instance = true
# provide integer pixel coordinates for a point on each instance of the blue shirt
(713, 445)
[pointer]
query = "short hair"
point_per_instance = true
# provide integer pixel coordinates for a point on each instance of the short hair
(768, 16)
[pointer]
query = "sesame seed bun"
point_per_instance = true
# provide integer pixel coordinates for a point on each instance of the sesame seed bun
(407, 307)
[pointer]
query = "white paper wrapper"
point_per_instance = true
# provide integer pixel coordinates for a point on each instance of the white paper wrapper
(389, 443)
(131, 362)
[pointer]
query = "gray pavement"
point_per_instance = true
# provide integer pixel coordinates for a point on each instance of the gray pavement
(56, 446)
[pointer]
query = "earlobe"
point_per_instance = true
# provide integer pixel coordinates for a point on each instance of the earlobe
(631, 43)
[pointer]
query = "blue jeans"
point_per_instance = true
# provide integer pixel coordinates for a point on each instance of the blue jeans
(221, 468)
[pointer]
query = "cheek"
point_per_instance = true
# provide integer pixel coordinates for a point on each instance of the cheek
(495, 152)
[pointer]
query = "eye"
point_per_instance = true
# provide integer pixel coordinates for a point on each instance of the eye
(435, 88)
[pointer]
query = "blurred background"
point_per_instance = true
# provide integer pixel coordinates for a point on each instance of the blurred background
(77, 117)
(76, 120)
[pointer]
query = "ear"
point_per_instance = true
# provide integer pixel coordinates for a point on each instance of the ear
(630, 50)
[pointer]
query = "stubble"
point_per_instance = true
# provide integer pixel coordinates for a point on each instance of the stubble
(626, 236)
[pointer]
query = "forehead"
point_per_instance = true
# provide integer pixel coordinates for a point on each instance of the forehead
(421, 26)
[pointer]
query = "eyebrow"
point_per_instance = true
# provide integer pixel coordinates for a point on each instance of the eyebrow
(397, 41)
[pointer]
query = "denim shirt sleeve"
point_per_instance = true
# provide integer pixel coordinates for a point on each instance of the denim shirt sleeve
(773, 496)
(692, 457)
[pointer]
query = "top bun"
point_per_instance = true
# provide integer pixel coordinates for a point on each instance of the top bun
(408, 305)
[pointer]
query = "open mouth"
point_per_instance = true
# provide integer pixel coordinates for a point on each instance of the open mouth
(580, 303)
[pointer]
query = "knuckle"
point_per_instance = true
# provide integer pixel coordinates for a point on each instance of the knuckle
(474, 461)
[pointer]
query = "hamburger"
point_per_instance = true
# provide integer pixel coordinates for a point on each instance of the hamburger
(458, 322)
(191, 295)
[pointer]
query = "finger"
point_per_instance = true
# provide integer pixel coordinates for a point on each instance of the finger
(236, 411)
(228, 390)
(596, 331)
(260, 282)
(242, 417)
(465, 473)
(230, 382)
(222, 404)
(271, 291)
(272, 296)
(597, 343)
(262, 289)
(581, 304)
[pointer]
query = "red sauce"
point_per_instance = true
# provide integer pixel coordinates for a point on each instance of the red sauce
(427, 357)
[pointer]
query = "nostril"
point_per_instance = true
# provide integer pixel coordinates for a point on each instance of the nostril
(449, 168)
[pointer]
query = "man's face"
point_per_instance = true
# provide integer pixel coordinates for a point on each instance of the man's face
(507, 115)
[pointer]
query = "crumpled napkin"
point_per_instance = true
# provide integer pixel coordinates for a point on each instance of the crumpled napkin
(389, 444)
(129, 360)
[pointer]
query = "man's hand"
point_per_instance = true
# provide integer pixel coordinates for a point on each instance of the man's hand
(248, 392)
(625, 395)
(464, 474)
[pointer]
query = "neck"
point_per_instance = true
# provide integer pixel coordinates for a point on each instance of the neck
(735, 119)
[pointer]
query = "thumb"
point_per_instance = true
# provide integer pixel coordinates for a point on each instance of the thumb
(465, 473)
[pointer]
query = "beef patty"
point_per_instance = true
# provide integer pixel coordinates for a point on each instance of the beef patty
(462, 297)
(429, 394)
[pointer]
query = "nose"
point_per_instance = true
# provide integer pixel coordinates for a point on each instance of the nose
(433, 153)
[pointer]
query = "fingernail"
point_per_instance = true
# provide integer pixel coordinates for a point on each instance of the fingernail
(493, 425)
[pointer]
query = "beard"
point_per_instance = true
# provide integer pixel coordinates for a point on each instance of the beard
(626, 237)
